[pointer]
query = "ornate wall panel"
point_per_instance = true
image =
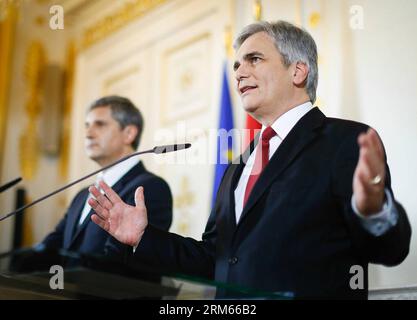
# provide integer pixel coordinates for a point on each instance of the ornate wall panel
(170, 66)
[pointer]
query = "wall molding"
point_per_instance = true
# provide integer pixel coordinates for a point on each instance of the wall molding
(111, 23)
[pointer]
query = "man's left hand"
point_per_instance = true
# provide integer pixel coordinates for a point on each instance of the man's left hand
(369, 176)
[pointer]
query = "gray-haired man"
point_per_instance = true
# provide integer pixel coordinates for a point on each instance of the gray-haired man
(310, 199)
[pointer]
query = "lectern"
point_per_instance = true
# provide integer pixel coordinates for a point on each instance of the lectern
(34, 275)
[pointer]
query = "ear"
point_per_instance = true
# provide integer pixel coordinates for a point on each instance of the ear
(300, 74)
(130, 133)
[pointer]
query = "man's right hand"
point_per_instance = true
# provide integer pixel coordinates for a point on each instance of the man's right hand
(124, 222)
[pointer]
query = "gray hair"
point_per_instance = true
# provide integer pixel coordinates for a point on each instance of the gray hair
(124, 112)
(293, 43)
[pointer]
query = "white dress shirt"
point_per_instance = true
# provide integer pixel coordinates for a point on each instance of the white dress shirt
(282, 126)
(376, 224)
(110, 176)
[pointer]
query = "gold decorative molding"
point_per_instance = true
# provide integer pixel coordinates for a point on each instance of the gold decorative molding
(132, 10)
(108, 83)
(257, 10)
(7, 9)
(183, 202)
(67, 110)
(8, 18)
(228, 42)
(186, 43)
(186, 197)
(29, 145)
(29, 151)
(314, 20)
(39, 21)
(184, 79)
(28, 223)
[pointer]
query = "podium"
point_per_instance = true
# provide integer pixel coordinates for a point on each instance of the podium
(96, 277)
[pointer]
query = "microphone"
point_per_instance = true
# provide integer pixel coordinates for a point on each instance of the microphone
(170, 148)
(10, 184)
(156, 150)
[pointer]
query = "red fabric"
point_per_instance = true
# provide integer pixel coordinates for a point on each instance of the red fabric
(253, 126)
(261, 160)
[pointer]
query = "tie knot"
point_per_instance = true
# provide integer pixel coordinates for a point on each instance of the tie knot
(268, 134)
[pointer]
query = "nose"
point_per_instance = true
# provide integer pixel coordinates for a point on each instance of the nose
(241, 72)
(89, 132)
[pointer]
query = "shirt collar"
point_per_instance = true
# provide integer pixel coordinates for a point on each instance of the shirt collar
(283, 125)
(115, 173)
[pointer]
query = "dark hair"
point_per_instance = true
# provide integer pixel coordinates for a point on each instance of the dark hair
(124, 112)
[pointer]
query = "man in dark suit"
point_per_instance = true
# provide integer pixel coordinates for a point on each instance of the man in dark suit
(308, 204)
(113, 130)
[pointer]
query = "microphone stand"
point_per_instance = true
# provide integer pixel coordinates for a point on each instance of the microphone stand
(156, 150)
(10, 184)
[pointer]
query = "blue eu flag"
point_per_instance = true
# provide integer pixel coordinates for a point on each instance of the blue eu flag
(224, 138)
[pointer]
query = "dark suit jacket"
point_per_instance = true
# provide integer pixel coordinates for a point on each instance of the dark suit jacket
(298, 232)
(89, 238)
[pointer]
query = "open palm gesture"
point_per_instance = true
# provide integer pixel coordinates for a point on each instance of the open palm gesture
(369, 176)
(124, 222)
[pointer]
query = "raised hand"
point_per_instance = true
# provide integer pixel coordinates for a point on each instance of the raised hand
(369, 176)
(124, 222)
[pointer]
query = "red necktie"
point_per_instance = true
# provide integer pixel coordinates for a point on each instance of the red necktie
(261, 160)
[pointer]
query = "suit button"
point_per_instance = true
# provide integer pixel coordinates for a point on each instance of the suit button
(233, 260)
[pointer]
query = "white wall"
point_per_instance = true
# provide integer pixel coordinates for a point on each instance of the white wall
(385, 53)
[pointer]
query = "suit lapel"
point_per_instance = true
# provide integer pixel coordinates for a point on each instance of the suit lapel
(118, 188)
(237, 169)
(72, 222)
(303, 133)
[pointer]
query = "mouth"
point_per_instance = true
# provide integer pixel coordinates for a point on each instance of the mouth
(246, 89)
(91, 145)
